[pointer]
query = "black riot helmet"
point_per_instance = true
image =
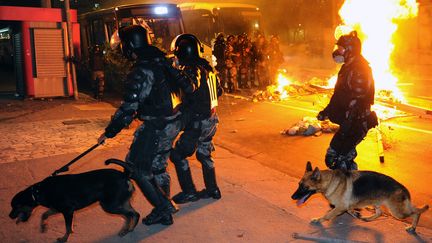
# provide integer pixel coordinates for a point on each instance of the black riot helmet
(132, 38)
(351, 45)
(187, 47)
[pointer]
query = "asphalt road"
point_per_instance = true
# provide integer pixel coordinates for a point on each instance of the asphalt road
(252, 129)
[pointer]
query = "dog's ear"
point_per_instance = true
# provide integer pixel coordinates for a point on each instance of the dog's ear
(316, 174)
(308, 166)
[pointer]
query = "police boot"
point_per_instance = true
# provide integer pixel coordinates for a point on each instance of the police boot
(158, 216)
(188, 193)
(161, 214)
(211, 190)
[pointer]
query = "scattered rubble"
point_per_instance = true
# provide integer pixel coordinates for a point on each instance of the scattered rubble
(311, 126)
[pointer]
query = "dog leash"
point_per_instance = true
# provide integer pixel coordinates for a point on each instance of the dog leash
(66, 166)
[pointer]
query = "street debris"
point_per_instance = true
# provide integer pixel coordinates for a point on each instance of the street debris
(277, 93)
(310, 126)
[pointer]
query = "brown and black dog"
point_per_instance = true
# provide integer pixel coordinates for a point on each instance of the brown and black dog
(349, 190)
(67, 193)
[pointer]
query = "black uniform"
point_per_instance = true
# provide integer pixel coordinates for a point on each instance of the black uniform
(200, 120)
(350, 108)
(219, 53)
(200, 126)
(153, 95)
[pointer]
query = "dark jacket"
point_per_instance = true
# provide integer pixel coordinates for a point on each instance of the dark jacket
(354, 83)
(202, 103)
(153, 91)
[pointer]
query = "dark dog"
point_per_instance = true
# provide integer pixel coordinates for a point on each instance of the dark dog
(349, 190)
(67, 193)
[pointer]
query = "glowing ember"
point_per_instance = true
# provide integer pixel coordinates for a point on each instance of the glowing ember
(375, 23)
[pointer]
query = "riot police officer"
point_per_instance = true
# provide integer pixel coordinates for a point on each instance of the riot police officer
(152, 95)
(219, 53)
(200, 121)
(350, 104)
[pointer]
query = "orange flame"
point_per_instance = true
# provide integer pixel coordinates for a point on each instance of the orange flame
(281, 83)
(375, 23)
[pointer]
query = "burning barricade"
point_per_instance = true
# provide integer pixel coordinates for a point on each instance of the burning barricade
(284, 88)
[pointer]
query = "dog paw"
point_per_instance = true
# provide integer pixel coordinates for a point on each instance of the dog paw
(355, 214)
(61, 240)
(43, 228)
(123, 232)
(316, 221)
(410, 230)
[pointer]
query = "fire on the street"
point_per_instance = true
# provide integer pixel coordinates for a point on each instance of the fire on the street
(376, 23)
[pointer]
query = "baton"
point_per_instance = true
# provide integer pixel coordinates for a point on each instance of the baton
(66, 166)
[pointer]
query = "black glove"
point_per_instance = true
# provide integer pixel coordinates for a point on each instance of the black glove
(322, 115)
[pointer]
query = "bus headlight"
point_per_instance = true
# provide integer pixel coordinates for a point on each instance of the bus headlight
(160, 10)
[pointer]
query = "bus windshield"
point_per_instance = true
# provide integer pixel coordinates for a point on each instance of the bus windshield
(206, 20)
(238, 20)
(162, 30)
(200, 23)
(162, 21)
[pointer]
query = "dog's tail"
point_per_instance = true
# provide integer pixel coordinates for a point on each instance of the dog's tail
(128, 168)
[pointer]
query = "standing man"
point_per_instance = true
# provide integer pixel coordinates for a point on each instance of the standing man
(230, 65)
(200, 121)
(275, 58)
(152, 95)
(350, 105)
(98, 76)
(219, 53)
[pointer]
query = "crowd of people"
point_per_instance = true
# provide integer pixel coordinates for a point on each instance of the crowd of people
(244, 62)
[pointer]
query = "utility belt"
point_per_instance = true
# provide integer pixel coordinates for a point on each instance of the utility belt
(203, 116)
(160, 122)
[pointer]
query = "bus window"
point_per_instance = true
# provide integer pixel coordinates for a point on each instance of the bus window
(236, 21)
(200, 22)
(162, 31)
(98, 36)
(164, 22)
(110, 26)
(206, 20)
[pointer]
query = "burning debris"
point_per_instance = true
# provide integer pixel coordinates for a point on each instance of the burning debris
(285, 88)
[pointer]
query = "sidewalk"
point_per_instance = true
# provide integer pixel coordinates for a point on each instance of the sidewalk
(255, 205)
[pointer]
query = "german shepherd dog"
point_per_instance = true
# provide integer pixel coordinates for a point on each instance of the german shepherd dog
(349, 190)
(67, 193)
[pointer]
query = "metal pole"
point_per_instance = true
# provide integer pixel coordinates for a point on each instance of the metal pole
(71, 48)
(46, 3)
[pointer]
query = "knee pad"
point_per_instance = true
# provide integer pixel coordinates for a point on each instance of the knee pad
(331, 158)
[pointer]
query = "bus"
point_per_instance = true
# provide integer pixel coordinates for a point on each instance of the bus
(206, 20)
(163, 21)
